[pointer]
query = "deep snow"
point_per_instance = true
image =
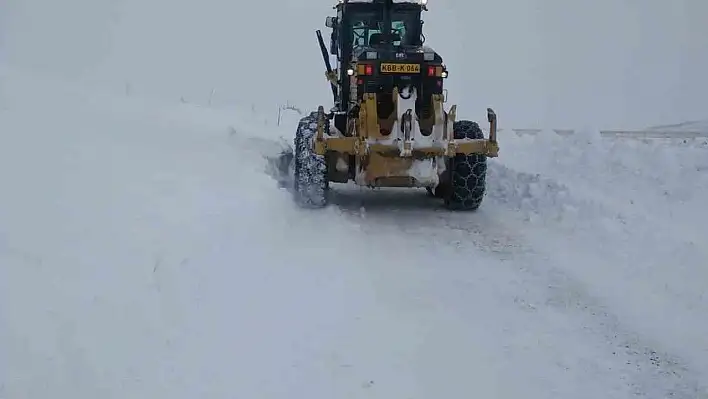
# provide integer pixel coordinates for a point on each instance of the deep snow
(146, 253)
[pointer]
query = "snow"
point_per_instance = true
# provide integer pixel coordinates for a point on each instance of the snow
(696, 126)
(425, 171)
(641, 203)
(146, 253)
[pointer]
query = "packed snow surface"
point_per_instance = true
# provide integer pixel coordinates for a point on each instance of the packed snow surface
(145, 253)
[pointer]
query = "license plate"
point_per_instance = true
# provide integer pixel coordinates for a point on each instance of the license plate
(400, 68)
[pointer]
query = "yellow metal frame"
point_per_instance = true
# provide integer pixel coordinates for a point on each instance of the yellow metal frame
(367, 126)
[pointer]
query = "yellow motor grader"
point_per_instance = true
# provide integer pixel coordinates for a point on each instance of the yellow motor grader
(388, 127)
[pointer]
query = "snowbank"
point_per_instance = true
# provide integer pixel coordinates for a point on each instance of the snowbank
(663, 179)
(625, 218)
(144, 252)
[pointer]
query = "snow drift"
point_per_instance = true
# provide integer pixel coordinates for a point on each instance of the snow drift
(146, 253)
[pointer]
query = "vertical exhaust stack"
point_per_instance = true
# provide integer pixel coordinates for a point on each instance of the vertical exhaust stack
(330, 74)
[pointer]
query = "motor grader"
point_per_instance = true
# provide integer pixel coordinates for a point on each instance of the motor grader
(388, 126)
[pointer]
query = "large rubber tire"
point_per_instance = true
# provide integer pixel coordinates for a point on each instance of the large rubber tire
(468, 173)
(310, 184)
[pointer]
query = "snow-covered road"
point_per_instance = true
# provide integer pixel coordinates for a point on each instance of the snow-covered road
(144, 253)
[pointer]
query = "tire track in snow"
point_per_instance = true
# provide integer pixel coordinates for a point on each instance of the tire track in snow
(532, 200)
(643, 367)
(549, 204)
(411, 212)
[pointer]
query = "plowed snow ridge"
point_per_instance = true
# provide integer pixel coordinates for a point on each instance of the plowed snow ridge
(145, 253)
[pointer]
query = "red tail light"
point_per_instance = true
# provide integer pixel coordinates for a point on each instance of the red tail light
(365, 69)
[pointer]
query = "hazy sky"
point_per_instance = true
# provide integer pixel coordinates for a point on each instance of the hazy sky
(545, 63)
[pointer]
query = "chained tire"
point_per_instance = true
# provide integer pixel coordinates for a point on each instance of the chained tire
(310, 184)
(468, 173)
